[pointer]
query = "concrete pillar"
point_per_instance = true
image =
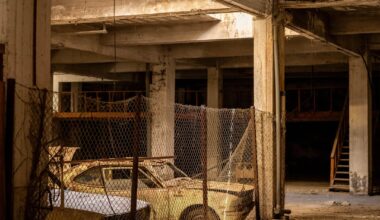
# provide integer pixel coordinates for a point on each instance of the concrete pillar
(264, 101)
(360, 114)
(76, 88)
(214, 100)
(162, 93)
(18, 64)
(214, 87)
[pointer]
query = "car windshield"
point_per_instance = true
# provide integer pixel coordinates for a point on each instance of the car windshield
(167, 171)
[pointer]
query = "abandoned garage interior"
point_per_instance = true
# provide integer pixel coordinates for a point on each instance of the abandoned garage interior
(189, 109)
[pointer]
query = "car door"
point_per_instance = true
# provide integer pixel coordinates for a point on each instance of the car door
(118, 181)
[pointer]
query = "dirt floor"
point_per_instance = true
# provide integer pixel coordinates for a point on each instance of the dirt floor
(312, 200)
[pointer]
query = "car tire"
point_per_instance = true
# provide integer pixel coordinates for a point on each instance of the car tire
(197, 214)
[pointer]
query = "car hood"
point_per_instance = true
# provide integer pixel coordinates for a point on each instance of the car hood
(211, 185)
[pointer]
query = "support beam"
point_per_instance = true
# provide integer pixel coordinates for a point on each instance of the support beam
(354, 24)
(264, 101)
(18, 64)
(328, 3)
(260, 8)
(291, 60)
(360, 114)
(82, 11)
(214, 100)
(214, 87)
(162, 93)
(294, 45)
(227, 26)
(314, 25)
(69, 56)
(92, 44)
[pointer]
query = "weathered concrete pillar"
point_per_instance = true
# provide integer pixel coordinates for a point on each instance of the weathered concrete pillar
(76, 88)
(360, 114)
(264, 100)
(214, 87)
(18, 64)
(162, 93)
(214, 100)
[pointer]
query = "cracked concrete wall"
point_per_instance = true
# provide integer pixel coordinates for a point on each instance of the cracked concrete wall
(162, 92)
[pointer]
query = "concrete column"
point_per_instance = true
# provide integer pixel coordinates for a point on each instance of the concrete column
(360, 114)
(76, 88)
(162, 93)
(214, 87)
(214, 100)
(264, 101)
(19, 65)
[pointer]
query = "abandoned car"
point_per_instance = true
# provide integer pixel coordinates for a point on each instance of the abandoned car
(169, 191)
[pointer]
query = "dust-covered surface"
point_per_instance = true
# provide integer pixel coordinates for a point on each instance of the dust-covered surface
(312, 200)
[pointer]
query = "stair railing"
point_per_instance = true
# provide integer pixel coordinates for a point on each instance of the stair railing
(338, 142)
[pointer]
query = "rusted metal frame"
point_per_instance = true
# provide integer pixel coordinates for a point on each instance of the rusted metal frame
(136, 145)
(254, 163)
(2, 152)
(8, 151)
(204, 160)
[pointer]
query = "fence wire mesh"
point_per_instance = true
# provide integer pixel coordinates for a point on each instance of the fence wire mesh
(139, 158)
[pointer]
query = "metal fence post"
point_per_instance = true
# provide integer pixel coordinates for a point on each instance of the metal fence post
(254, 163)
(8, 151)
(2, 152)
(137, 140)
(204, 159)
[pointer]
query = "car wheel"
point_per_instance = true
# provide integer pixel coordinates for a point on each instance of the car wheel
(197, 214)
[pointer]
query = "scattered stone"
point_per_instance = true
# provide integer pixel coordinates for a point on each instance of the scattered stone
(337, 203)
(331, 203)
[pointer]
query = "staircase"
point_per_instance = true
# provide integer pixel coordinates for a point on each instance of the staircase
(340, 156)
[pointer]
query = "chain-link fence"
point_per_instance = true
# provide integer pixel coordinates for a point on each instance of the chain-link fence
(139, 158)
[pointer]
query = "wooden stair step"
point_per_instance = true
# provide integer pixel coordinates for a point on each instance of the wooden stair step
(341, 159)
(343, 166)
(339, 187)
(342, 172)
(346, 147)
(345, 153)
(342, 179)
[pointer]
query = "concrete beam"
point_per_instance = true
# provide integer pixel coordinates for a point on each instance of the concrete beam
(294, 45)
(69, 56)
(260, 8)
(82, 11)
(328, 3)
(290, 60)
(315, 26)
(354, 24)
(227, 26)
(91, 44)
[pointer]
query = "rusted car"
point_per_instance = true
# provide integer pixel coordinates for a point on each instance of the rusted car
(169, 191)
